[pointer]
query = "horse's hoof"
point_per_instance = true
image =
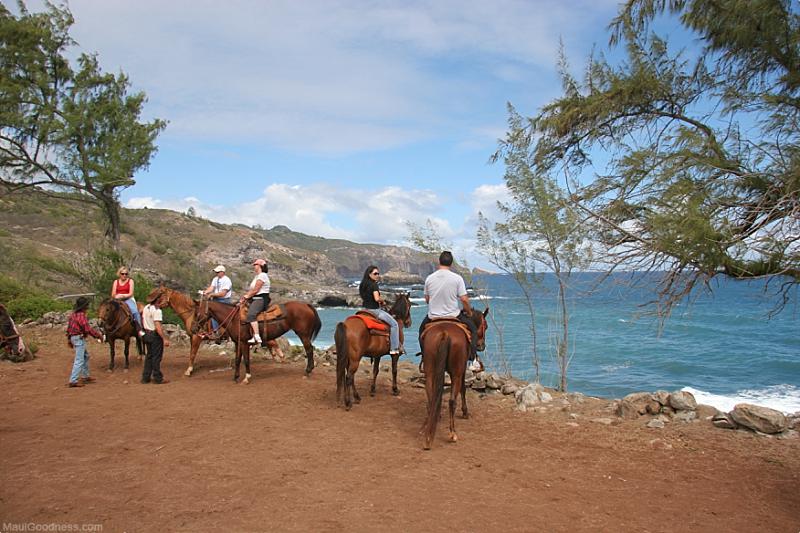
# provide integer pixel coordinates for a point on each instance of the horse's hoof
(188, 372)
(395, 393)
(465, 416)
(109, 370)
(453, 437)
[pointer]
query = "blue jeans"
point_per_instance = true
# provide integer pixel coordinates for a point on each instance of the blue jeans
(394, 330)
(214, 323)
(134, 311)
(80, 368)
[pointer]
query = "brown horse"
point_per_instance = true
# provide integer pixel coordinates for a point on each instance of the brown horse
(186, 308)
(445, 347)
(116, 323)
(296, 316)
(239, 332)
(354, 341)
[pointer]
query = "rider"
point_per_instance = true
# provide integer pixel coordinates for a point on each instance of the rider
(219, 290)
(258, 294)
(372, 299)
(122, 289)
(443, 290)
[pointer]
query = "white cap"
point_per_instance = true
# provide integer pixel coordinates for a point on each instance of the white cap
(219, 268)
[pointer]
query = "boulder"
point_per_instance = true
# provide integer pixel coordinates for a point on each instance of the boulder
(531, 396)
(661, 396)
(722, 420)
(759, 418)
(494, 382)
(706, 412)
(509, 388)
(332, 301)
(634, 405)
(682, 401)
(655, 423)
(685, 416)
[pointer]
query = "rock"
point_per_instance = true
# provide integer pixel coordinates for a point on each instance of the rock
(685, 416)
(660, 444)
(723, 421)
(575, 397)
(682, 401)
(479, 384)
(653, 408)
(545, 397)
(332, 301)
(759, 418)
(573, 424)
(509, 388)
(706, 412)
(655, 423)
(634, 405)
(661, 396)
(494, 382)
(604, 421)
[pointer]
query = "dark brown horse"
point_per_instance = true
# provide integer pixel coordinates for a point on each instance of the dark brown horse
(296, 316)
(116, 322)
(11, 345)
(239, 332)
(354, 341)
(445, 347)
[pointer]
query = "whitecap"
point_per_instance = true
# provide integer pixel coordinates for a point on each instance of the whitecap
(784, 398)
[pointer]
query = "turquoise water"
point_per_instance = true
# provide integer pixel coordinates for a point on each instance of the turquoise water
(721, 346)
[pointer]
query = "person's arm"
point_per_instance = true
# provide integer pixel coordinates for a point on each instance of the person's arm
(208, 290)
(376, 295)
(254, 290)
(465, 303)
(160, 332)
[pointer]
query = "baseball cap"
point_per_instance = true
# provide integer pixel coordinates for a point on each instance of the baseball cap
(219, 268)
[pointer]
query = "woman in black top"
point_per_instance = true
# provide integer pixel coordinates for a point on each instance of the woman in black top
(371, 297)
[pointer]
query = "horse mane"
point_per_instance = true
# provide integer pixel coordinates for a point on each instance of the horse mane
(397, 308)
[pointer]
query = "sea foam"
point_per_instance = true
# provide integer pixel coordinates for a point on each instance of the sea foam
(784, 398)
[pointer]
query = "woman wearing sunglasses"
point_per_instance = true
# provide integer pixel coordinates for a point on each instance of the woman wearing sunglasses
(122, 289)
(372, 299)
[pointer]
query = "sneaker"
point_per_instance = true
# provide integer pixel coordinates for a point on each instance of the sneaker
(74, 384)
(141, 333)
(162, 382)
(88, 379)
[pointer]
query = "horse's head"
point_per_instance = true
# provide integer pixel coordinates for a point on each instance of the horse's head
(479, 319)
(107, 311)
(401, 309)
(9, 340)
(159, 296)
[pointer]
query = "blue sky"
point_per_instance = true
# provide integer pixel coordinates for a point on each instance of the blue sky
(336, 118)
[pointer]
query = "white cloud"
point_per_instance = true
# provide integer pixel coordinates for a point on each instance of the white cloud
(325, 76)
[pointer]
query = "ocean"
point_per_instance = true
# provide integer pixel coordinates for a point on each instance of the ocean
(722, 346)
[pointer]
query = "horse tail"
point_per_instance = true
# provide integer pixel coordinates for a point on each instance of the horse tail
(340, 337)
(139, 346)
(435, 401)
(317, 323)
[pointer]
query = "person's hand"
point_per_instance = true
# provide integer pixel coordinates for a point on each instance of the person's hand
(69, 343)
(201, 292)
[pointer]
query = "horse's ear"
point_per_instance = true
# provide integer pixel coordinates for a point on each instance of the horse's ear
(485, 312)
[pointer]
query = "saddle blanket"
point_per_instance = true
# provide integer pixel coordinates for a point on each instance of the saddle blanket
(273, 312)
(375, 326)
(453, 321)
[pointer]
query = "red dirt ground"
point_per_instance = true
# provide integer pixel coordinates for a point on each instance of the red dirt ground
(203, 454)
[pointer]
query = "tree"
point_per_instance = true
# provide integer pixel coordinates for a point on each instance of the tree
(75, 133)
(543, 229)
(697, 160)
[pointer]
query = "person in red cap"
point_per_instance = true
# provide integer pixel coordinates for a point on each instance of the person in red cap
(258, 295)
(77, 329)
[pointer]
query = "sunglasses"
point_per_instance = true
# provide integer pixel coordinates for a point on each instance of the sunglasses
(376, 273)
(123, 273)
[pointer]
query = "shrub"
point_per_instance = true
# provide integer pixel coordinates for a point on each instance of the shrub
(34, 307)
(10, 288)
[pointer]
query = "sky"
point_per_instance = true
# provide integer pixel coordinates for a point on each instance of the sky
(343, 119)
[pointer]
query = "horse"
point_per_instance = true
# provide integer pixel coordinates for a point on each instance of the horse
(296, 316)
(445, 347)
(116, 322)
(354, 341)
(12, 346)
(185, 307)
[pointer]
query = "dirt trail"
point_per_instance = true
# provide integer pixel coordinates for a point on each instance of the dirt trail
(203, 454)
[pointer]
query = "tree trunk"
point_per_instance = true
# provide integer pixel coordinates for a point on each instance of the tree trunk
(111, 208)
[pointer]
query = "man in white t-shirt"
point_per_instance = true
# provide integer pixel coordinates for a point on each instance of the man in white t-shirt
(155, 339)
(219, 290)
(444, 289)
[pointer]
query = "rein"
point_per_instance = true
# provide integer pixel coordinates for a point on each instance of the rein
(207, 315)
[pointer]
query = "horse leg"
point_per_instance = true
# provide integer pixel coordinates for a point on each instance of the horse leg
(238, 360)
(348, 388)
(111, 343)
(247, 375)
(375, 367)
(309, 355)
(395, 390)
(193, 354)
(456, 389)
(464, 411)
(127, 350)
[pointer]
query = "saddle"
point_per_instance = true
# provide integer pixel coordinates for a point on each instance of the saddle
(463, 327)
(374, 326)
(273, 312)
